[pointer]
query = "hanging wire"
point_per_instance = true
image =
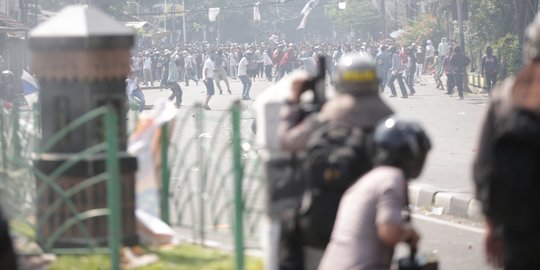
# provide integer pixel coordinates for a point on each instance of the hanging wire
(245, 6)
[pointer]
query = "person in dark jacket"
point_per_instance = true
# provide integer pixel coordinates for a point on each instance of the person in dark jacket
(448, 69)
(460, 61)
(411, 70)
(489, 68)
(383, 60)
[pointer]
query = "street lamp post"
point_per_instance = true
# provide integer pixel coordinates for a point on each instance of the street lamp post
(165, 13)
(460, 24)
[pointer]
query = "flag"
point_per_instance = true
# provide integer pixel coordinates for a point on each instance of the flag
(256, 13)
(309, 6)
(302, 24)
(306, 10)
(213, 13)
(29, 83)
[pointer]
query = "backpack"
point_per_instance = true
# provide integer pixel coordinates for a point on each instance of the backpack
(514, 179)
(337, 156)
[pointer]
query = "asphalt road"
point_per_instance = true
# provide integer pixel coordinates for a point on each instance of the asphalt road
(458, 244)
(453, 125)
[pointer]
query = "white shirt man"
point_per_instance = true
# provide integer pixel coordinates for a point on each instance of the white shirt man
(443, 48)
(147, 62)
(266, 59)
(147, 70)
(208, 78)
(208, 69)
(243, 66)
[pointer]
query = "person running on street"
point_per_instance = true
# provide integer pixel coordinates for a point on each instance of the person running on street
(243, 67)
(438, 70)
(411, 70)
(396, 72)
(219, 72)
(208, 78)
(173, 80)
(189, 67)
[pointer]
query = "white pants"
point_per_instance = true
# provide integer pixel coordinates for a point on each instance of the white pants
(419, 71)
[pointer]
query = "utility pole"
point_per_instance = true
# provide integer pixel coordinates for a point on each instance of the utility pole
(383, 12)
(462, 41)
(173, 16)
(165, 13)
(184, 32)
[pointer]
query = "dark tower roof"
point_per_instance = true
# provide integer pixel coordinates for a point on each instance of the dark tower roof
(81, 27)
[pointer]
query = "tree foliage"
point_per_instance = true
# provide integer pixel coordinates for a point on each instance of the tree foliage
(424, 28)
(509, 50)
(360, 17)
(499, 23)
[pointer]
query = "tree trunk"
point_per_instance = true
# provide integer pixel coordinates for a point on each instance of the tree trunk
(519, 18)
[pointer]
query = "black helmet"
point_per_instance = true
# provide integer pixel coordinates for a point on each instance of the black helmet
(401, 143)
(357, 74)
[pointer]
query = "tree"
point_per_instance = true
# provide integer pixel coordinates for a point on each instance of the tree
(360, 18)
(419, 31)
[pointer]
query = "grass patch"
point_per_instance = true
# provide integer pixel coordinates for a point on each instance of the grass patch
(183, 257)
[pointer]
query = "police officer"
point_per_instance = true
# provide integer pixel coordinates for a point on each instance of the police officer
(506, 170)
(369, 222)
(357, 103)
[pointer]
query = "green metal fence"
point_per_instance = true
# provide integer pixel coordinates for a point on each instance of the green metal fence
(476, 80)
(23, 184)
(213, 177)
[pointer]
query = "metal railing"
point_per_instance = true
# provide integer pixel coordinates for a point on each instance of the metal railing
(213, 177)
(476, 80)
(23, 185)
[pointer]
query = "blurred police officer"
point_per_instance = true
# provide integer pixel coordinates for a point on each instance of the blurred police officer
(370, 222)
(357, 104)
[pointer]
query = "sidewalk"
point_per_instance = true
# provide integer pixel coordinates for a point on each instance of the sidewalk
(445, 187)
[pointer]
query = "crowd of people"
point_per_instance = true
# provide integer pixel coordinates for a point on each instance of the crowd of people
(168, 66)
(360, 157)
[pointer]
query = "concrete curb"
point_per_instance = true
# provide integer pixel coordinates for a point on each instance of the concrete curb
(150, 87)
(461, 205)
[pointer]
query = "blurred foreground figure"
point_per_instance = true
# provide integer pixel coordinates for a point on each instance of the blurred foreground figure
(370, 222)
(336, 143)
(8, 259)
(507, 168)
